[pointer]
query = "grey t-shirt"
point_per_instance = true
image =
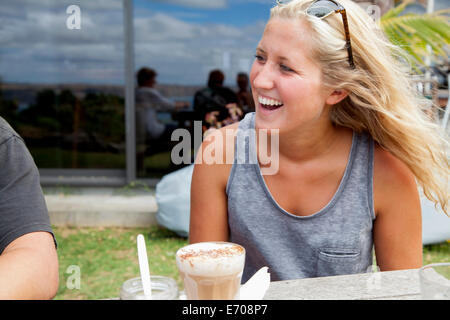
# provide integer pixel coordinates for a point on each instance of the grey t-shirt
(22, 204)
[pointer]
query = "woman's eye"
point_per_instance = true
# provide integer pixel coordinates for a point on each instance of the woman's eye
(285, 68)
(259, 58)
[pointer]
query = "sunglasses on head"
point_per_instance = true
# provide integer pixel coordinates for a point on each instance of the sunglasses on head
(322, 9)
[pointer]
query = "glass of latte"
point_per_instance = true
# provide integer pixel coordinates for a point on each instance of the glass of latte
(211, 270)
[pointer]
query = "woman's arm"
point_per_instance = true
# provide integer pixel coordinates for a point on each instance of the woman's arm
(398, 225)
(209, 216)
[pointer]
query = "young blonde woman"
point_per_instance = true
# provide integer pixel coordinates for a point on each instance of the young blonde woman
(354, 146)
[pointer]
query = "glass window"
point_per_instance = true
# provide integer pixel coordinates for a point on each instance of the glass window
(62, 80)
(178, 43)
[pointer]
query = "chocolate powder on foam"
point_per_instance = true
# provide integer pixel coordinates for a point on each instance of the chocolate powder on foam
(213, 253)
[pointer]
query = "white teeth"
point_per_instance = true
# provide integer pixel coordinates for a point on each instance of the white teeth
(270, 102)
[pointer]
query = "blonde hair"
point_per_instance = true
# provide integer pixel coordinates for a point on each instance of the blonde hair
(382, 99)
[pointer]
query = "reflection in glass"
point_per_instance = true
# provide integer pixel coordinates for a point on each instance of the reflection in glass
(62, 81)
(183, 41)
(153, 134)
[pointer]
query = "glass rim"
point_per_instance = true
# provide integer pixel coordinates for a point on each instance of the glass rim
(437, 264)
(167, 280)
(166, 284)
(217, 242)
(422, 275)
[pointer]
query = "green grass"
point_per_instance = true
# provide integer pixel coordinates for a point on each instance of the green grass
(435, 253)
(106, 257)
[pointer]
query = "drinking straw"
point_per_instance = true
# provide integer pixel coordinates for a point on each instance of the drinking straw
(143, 267)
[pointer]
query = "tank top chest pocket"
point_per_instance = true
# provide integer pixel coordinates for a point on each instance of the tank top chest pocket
(337, 261)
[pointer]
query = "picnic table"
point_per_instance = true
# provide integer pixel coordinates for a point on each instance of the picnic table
(388, 285)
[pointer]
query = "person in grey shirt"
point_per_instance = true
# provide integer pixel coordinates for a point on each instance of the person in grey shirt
(28, 258)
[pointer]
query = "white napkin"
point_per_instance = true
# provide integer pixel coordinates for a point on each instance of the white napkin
(255, 288)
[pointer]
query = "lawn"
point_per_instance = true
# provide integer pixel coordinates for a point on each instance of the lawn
(106, 257)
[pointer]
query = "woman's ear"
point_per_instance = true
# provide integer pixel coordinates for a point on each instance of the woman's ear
(336, 96)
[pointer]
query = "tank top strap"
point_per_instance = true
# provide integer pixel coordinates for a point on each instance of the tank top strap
(242, 146)
(360, 173)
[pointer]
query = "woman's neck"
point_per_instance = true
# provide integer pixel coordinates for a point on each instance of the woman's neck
(310, 143)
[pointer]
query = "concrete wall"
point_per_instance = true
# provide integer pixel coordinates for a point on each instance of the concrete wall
(101, 207)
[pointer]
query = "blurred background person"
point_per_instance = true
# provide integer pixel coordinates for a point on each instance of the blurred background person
(244, 95)
(210, 103)
(150, 131)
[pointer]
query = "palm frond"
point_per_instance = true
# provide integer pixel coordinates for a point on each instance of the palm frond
(415, 32)
(395, 11)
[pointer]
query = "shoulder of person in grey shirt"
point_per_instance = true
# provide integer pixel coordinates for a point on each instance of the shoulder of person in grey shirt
(22, 204)
(6, 131)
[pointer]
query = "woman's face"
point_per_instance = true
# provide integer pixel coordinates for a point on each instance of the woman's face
(286, 83)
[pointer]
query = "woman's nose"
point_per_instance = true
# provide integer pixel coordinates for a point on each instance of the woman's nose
(264, 78)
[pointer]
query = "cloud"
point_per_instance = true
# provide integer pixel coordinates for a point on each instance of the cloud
(186, 52)
(255, 1)
(36, 46)
(202, 4)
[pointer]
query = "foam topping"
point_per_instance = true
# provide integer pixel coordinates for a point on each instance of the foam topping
(211, 258)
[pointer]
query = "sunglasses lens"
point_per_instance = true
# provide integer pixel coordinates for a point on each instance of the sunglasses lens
(320, 9)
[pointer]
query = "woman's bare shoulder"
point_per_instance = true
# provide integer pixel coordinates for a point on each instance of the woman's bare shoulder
(208, 187)
(392, 178)
(388, 166)
(217, 153)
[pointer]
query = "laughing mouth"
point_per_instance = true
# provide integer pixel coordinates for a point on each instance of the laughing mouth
(269, 103)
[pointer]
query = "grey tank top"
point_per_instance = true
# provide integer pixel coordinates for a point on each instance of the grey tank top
(333, 241)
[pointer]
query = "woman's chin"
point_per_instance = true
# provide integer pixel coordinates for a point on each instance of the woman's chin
(264, 123)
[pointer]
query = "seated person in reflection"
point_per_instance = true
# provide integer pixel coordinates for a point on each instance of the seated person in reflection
(352, 147)
(245, 98)
(28, 259)
(214, 100)
(150, 131)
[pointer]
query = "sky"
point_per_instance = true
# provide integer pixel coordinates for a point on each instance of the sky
(181, 39)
